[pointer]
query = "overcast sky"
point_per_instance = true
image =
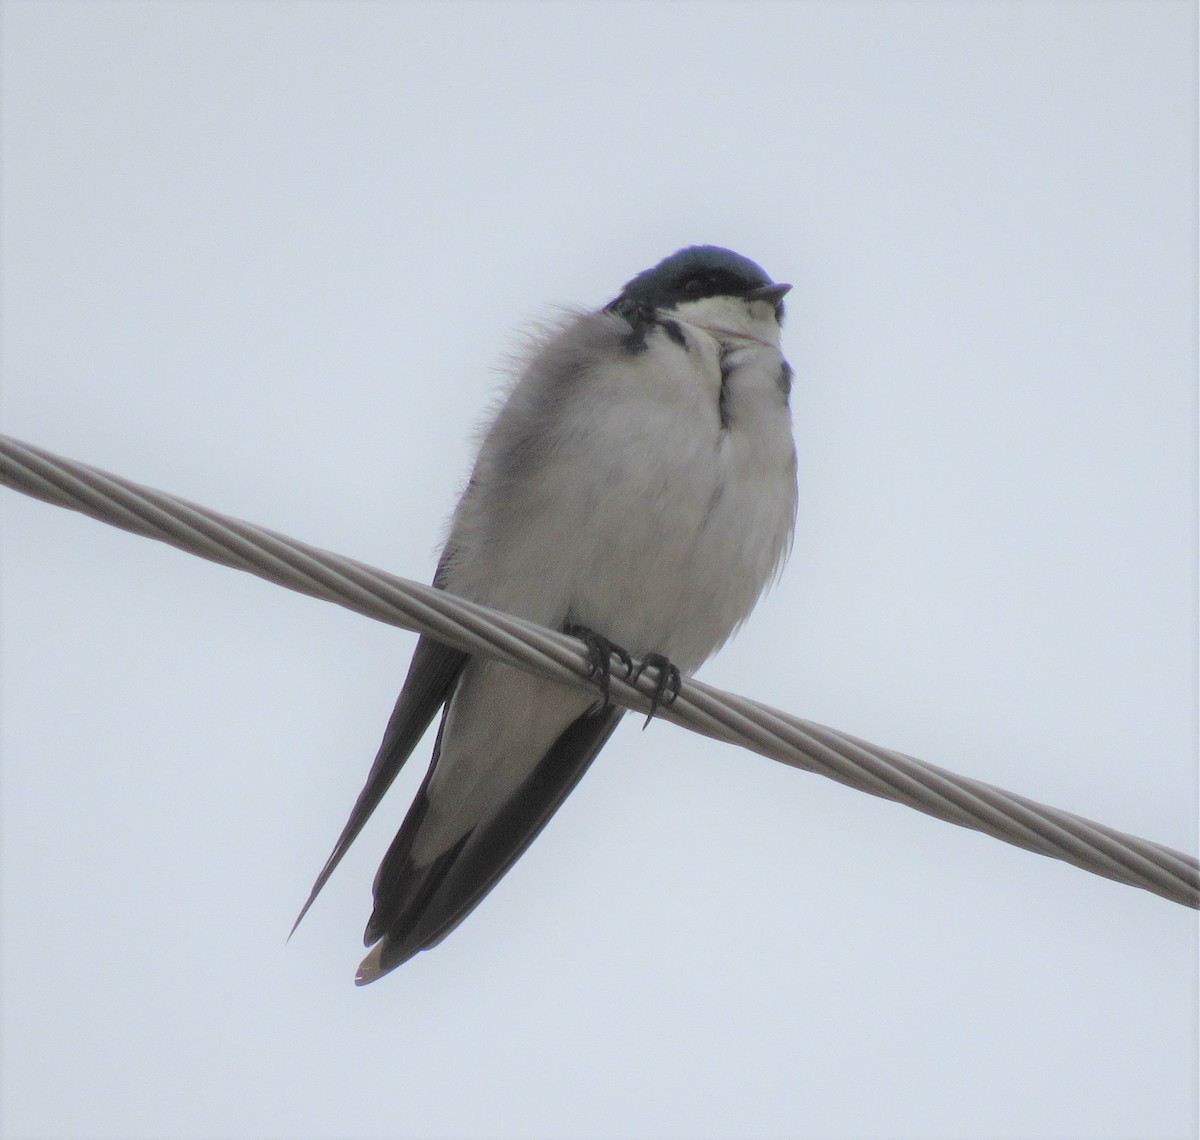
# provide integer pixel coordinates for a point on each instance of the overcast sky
(271, 257)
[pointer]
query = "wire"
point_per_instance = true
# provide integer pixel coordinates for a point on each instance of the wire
(702, 708)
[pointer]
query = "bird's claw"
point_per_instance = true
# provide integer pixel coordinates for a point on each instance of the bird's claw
(600, 652)
(666, 687)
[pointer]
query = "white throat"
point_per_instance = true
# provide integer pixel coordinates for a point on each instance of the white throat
(731, 318)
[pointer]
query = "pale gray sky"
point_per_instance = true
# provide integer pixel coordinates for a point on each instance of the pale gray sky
(269, 257)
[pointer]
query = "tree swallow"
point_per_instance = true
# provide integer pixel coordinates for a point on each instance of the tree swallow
(637, 488)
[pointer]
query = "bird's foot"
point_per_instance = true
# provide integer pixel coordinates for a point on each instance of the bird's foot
(600, 652)
(666, 687)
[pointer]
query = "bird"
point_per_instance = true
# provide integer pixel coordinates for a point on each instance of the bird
(637, 489)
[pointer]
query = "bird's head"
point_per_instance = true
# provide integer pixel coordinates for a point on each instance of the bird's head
(702, 280)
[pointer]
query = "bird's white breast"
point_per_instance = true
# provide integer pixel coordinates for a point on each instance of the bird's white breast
(610, 492)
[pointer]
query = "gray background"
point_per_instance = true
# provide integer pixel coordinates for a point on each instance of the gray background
(271, 257)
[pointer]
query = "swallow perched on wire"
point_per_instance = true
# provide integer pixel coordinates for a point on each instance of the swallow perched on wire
(637, 488)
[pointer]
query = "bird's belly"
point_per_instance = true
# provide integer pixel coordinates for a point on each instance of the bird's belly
(651, 522)
(686, 539)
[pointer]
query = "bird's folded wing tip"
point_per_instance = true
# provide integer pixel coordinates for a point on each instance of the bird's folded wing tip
(371, 967)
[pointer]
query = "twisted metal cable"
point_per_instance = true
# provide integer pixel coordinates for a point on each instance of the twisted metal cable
(723, 716)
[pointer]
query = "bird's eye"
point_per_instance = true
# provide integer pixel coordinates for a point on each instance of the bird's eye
(693, 285)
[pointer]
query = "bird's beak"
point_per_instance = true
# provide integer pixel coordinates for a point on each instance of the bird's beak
(772, 293)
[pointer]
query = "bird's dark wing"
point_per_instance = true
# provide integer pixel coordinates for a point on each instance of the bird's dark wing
(416, 907)
(430, 681)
